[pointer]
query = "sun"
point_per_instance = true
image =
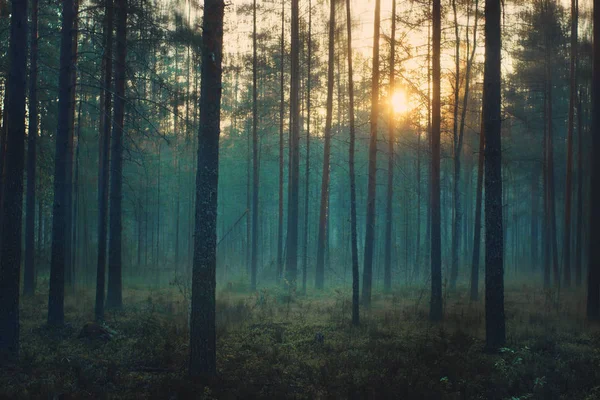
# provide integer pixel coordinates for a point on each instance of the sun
(399, 102)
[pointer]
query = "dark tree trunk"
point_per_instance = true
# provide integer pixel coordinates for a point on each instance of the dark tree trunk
(281, 112)
(571, 127)
(294, 162)
(103, 176)
(114, 295)
(324, 209)
(354, 236)
(12, 205)
(203, 357)
(307, 183)
(58, 263)
(457, 142)
(255, 182)
(29, 274)
(435, 312)
(372, 183)
(579, 240)
(593, 299)
(478, 203)
(494, 241)
(387, 263)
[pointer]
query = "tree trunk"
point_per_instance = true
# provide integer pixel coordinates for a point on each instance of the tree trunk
(494, 241)
(354, 236)
(203, 357)
(579, 229)
(114, 299)
(387, 273)
(29, 274)
(477, 233)
(307, 183)
(281, 112)
(593, 299)
(571, 127)
(12, 207)
(457, 143)
(324, 208)
(294, 163)
(372, 183)
(104, 160)
(58, 263)
(255, 182)
(435, 312)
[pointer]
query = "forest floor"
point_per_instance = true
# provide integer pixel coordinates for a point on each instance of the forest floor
(267, 349)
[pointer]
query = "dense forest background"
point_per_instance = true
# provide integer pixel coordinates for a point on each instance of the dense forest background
(429, 155)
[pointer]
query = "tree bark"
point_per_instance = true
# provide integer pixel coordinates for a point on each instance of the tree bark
(477, 231)
(435, 312)
(12, 204)
(114, 295)
(104, 156)
(255, 182)
(387, 272)
(281, 112)
(494, 241)
(324, 208)
(353, 231)
(307, 173)
(58, 263)
(372, 179)
(203, 357)
(29, 273)
(593, 299)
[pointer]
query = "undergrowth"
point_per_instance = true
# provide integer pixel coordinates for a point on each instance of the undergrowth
(272, 345)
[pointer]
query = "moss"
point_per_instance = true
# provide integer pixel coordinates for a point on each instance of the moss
(267, 349)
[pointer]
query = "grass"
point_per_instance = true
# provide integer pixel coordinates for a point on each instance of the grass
(267, 349)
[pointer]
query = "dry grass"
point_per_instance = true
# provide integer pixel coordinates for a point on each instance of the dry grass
(267, 349)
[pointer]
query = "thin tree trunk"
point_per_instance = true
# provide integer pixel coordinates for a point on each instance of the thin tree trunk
(372, 179)
(281, 112)
(435, 312)
(324, 208)
(203, 357)
(255, 182)
(354, 236)
(478, 203)
(307, 183)
(457, 142)
(571, 127)
(579, 240)
(114, 299)
(387, 278)
(29, 274)
(593, 299)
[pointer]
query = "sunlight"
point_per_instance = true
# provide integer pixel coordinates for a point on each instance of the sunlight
(399, 102)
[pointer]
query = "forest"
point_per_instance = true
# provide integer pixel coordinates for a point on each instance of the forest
(305, 199)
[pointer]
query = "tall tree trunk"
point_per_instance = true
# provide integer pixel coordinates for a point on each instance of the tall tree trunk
(103, 176)
(571, 127)
(579, 240)
(494, 241)
(387, 273)
(58, 263)
(12, 207)
(593, 299)
(114, 299)
(29, 274)
(255, 182)
(353, 232)
(551, 186)
(203, 357)
(457, 143)
(477, 230)
(294, 163)
(281, 112)
(324, 208)
(307, 173)
(372, 179)
(69, 273)
(435, 312)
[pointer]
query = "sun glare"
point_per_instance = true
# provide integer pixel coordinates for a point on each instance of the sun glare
(399, 102)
